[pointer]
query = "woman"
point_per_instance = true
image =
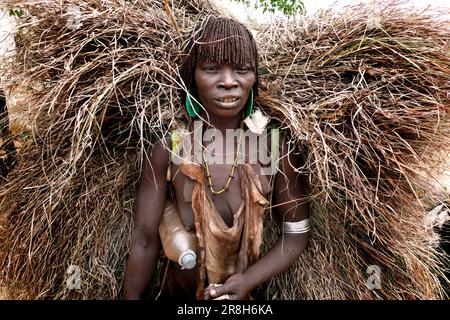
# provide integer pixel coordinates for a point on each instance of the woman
(223, 202)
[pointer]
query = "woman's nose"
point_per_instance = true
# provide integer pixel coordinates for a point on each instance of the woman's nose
(228, 78)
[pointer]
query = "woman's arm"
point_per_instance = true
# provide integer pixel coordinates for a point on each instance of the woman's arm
(150, 204)
(291, 205)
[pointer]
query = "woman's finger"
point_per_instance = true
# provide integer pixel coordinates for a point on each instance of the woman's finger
(219, 290)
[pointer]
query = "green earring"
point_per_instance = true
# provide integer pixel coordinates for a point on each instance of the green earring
(248, 109)
(192, 106)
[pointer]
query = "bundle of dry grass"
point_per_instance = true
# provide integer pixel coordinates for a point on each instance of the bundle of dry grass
(365, 93)
(6, 146)
(367, 100)
(109, 85)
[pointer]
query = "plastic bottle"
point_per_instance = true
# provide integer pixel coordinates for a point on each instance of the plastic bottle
(179, 245)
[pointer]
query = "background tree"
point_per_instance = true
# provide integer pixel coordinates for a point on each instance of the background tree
(287, 7)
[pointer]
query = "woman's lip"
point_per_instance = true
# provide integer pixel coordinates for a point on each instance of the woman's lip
(228, 105)
(236, 98)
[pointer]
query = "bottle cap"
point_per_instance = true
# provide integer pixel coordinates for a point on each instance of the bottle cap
(187, 259)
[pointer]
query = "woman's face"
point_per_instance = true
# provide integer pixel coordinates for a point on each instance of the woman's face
(223, 89)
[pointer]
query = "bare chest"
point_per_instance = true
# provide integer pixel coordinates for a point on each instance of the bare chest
(227, 202)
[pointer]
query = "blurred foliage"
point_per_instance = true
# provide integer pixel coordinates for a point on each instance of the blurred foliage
(287, 7)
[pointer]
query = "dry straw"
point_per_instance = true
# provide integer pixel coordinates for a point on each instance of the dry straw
(363, 93)
(110, 87)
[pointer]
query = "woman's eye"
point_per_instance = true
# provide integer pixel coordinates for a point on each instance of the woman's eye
(242, 69)
(210, 68)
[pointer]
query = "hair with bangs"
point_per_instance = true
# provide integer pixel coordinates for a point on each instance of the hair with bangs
(220, 40)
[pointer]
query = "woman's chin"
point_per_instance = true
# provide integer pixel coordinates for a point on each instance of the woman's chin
(224, 109)
(229, 113)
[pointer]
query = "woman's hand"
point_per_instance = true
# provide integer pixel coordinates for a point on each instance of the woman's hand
(237, 287)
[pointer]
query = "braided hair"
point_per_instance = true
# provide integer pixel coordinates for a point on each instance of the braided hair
(220, 40)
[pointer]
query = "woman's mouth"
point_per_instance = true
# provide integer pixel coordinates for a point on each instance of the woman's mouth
(228, 102)
(229, 99)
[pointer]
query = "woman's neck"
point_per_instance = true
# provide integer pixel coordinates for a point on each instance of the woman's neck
(222, 124)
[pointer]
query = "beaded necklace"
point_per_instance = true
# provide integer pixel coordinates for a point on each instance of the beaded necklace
(233, 167)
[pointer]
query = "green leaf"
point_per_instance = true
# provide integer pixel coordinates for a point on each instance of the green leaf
(25, 136)
(15, 12)
(287, 7)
